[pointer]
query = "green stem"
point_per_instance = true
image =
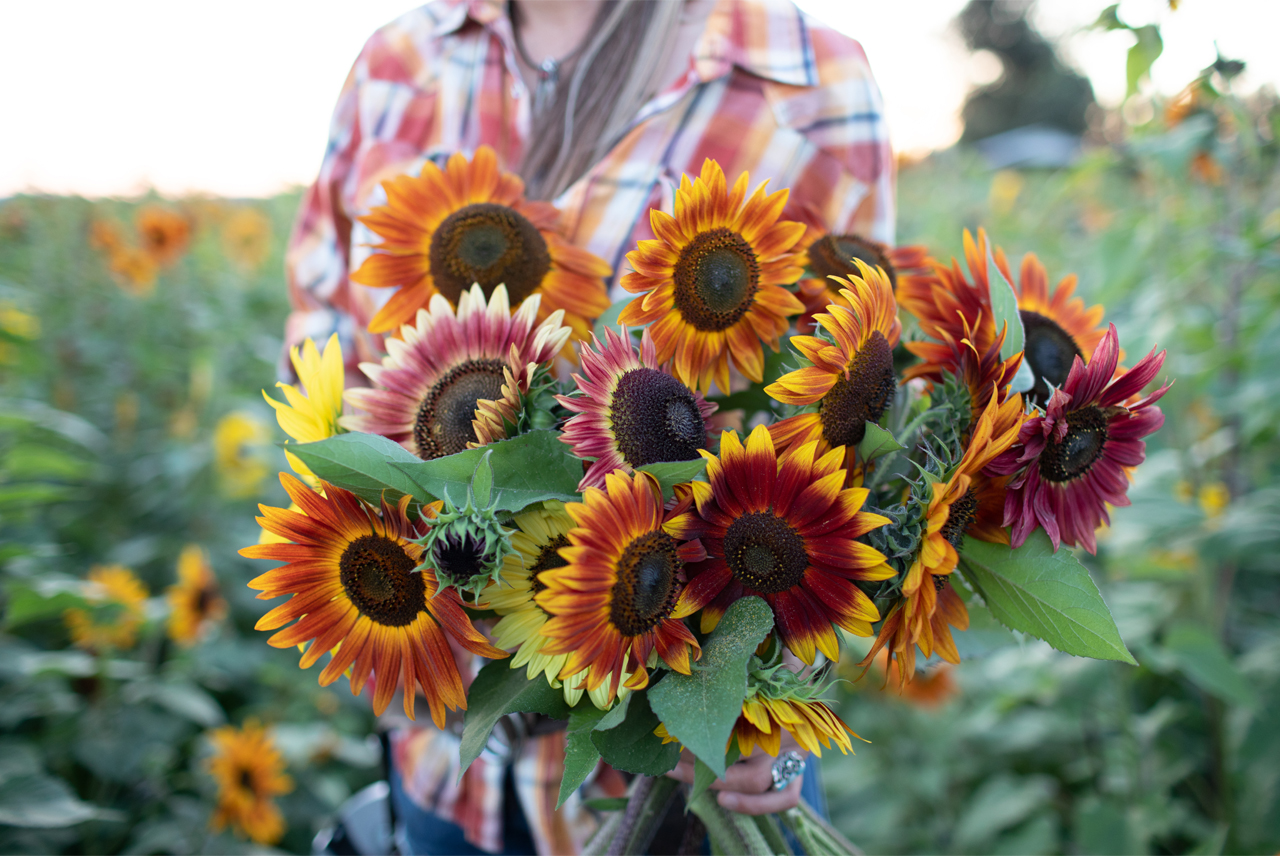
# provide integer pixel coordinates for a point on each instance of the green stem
(651, 811)
(597, 844)
(750, 832)
(817, 837)
(773, 836)
(724, 835)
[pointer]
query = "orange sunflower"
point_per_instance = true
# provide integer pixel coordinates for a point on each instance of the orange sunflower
(164, 234)
(359, 593)
(444, 230)
(849, 380)
(611, 605)
(195, 603)
(1057, 326)
(784, 530)
(249, 771)
(713, 279)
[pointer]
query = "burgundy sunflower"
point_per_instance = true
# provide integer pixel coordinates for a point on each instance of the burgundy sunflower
(784, 530)
(359, 593)
(446, 230)
(1071, 462)
(612, 605)
(630, 412)
(442, 380)
(713, 280)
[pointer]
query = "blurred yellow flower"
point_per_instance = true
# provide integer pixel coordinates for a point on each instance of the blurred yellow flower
(1213, 498)
(106, 235)
(246, 238)
(1006, 185)
(195, 604)
(135, 270)
(164, 234)
(117, 601)
(239, 444)
(249, 770)
(313, 416)
(1182, 491)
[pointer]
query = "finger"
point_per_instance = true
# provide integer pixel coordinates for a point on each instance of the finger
(769, 802)
(683, 772)
(753, 775)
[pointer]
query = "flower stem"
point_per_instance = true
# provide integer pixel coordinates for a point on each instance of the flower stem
(650, 796)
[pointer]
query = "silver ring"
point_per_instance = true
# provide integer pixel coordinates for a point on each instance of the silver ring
(788, 766)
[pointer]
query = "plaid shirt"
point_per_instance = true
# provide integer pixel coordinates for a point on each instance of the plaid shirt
(766, 90)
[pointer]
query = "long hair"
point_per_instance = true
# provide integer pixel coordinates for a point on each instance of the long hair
(619, 69)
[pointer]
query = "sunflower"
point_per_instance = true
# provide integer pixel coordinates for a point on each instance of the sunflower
(117, 608)
(194, 602)
(106, 235)
(469, 223)
(134, 270)
(851, 382)
(428, 388)
(246, 238)
(249, 771)
(630, 412)
(312, 414)
(540, 533)
(924, 619)
(812, 723)
(611, 605)
(352, 572)
(164, 234)
(713, 279)
(1056, 325)
(239, 454)
(986, 376)
(1070, 463)
(783, 530)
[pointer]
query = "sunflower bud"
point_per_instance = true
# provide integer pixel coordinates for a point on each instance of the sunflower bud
(467, 544)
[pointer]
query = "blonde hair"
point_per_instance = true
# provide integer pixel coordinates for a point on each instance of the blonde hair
(619, 69)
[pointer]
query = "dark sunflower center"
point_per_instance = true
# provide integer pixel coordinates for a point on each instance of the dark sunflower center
(203, 600)
(548, 558)
(832, 255)
(647, 586)
(377, 575)
(765, 553)
(1083, 445)
(716, 278)
(1049, 351)
(459, 558)
(861, 397)
(246, 779)
(963, 510)
(443, 426)
(655, 418)
(491, 245)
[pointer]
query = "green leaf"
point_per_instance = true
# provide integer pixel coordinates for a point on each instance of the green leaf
(42, 802)
(671, 473)
(1202, 658)
(877, 443)
(700, 709)
(364, 464)
(610, 317)
(580, 754)
(1145, 51)
(703, 778)
(482, 481)
(632, 746)
(530, 468)
(1109, 20)
(1049, 595)
(1004, 308)
(497, 691)
(616, 715)
(41, 599)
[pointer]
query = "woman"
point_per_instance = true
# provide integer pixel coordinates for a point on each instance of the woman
(601, 106)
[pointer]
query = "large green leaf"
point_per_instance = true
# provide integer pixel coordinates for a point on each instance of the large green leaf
(700, 709)
(497, 691)
(1049, 595)
(671, 473)
(36, 600)
(1145, 51)
(363, 464)
(632, 746)
(530, 468)
(1201, 657)
(580, 753)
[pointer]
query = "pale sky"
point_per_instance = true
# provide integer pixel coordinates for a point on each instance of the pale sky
(233, 98)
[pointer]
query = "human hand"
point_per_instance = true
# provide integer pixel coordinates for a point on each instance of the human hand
(747, 786)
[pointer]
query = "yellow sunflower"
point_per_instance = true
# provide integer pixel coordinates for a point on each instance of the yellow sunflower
(249, 771)
(445, 230)
(312, 414)
(359, 592)
(849, 379)
(195, 603)
(713, 279)
(239, 454)
(246, 238)
(117, 601)
(540, 533)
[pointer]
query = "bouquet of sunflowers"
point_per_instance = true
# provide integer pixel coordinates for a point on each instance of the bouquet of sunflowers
(659, 532)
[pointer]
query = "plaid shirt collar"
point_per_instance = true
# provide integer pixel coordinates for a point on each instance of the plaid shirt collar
(788, 57)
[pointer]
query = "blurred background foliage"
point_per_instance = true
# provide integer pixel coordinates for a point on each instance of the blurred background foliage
(135, 335)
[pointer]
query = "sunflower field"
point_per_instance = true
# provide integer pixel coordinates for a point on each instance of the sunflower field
(140, 712)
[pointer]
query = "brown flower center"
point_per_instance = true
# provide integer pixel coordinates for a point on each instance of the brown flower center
(491, 245)
(648, 584)
(765, 553)
(1075, 455)
(1049, 351)
(443, 426)
(377, 575)
(655, 418)
(963, 510)
(716, 279)
(246, 779)
(862, 396)
(549, 558)
(832, 255)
